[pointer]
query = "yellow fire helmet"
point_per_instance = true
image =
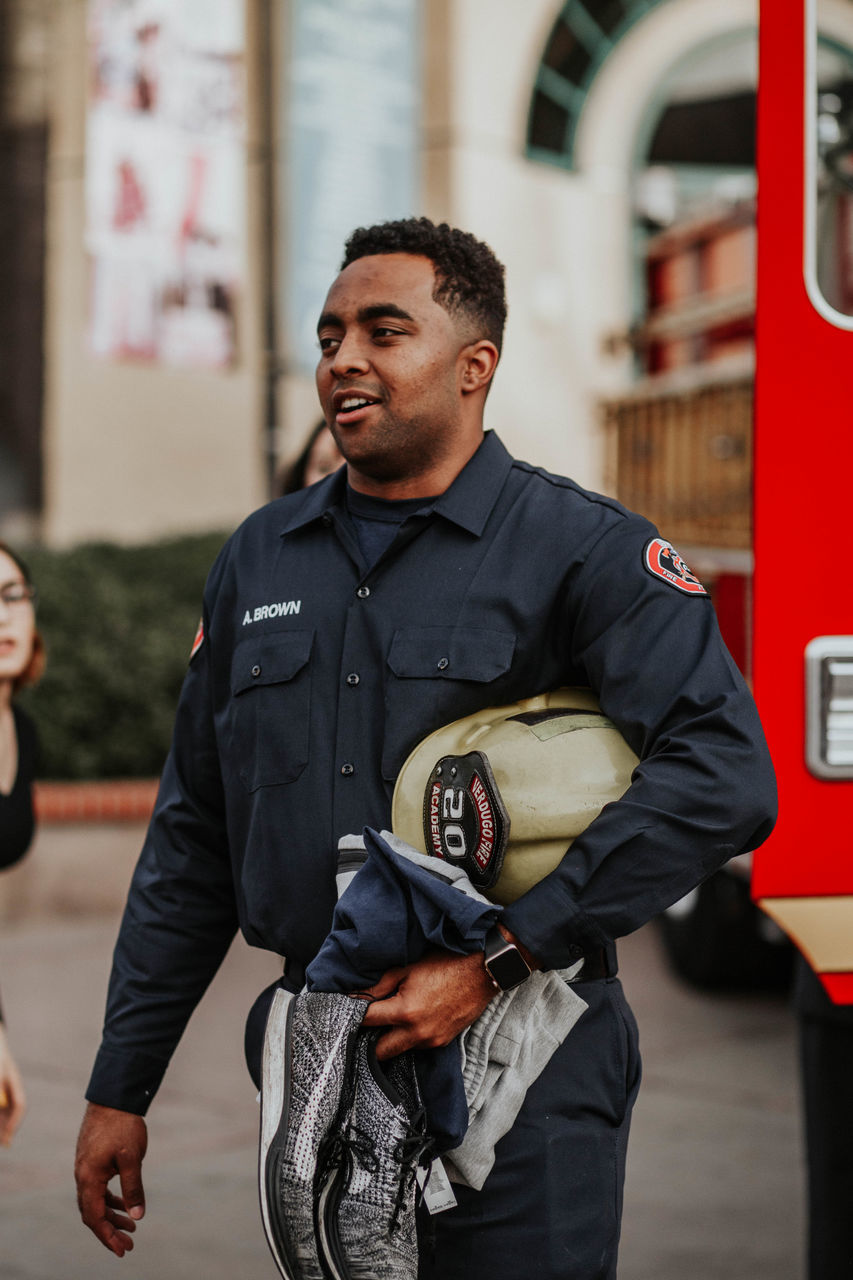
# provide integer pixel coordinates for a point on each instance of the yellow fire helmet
(503, 793)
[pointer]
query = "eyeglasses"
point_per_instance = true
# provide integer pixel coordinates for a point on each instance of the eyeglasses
(18, 593)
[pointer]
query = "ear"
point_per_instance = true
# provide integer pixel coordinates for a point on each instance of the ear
(479, 361)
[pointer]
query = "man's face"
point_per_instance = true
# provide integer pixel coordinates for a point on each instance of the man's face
(390, 369)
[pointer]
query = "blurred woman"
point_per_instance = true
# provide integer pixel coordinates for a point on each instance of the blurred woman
(21, 663)
(319, 457)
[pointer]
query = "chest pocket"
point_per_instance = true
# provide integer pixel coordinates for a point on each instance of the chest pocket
(271, 707)
(436, 675)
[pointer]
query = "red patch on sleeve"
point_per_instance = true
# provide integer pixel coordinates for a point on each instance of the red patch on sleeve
(663, 561)
(199, 639)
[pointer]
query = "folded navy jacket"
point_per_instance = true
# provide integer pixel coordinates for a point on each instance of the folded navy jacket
(391, 913)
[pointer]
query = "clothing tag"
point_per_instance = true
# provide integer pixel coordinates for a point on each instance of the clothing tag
(435, 1187)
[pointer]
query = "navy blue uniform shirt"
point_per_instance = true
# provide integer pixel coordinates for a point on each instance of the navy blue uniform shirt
(317, 676)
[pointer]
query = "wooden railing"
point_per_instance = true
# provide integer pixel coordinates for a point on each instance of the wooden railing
(679, 450)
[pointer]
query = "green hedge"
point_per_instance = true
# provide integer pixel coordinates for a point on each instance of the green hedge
(118, 624)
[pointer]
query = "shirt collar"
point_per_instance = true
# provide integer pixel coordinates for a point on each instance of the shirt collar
(470, 499)
(317, 501)
(468, 502)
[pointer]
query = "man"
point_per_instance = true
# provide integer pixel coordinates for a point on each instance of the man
(825, 1035)
(434, 577)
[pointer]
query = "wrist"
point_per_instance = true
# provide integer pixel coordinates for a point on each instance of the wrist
(504, 963)
(529, 957)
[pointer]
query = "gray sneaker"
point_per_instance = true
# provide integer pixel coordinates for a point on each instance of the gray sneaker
(306, 1096)
(366, 1204)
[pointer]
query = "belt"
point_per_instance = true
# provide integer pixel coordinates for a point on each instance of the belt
(294, 971)
(598, 964)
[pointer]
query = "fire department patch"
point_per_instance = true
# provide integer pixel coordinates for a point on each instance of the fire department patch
(199, 639)
(662, 560)
(465, 820)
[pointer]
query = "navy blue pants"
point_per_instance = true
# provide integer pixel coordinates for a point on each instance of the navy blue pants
(551, 1207)
(826, 1065)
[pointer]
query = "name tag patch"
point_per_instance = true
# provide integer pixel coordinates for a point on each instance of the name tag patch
(278, 609)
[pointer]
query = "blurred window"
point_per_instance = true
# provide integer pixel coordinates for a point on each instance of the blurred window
(829, 173)
(566, 54)
(549, 122)
(579, 41)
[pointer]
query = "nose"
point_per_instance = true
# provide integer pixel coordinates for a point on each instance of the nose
(350, 357)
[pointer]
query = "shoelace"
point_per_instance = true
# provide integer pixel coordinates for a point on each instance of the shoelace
(344, 1149)
(410, 1151)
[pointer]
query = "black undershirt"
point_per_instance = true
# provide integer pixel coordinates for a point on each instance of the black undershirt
(376, 520)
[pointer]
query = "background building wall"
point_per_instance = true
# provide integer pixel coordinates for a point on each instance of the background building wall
(135, 451)
(565, 236)
(538, 219)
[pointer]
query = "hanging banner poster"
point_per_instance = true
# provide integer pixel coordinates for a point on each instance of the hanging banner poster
(165, 179)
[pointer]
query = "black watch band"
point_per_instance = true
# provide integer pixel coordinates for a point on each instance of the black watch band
(505, 964)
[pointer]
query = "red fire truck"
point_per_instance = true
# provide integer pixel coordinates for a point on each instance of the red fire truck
(803, 614)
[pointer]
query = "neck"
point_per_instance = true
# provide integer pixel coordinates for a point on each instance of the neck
(5, 694)
(425, 484)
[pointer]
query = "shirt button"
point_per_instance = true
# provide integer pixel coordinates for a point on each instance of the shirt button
(256, 671)
(363, 593)
(353, 678)
(443, 664)
(327, 519)
(347, 770)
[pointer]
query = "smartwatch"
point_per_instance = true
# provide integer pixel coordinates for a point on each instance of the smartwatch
(505, 964)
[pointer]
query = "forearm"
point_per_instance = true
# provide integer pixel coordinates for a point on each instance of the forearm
(177, 926)
(160, 972)
(707, 794)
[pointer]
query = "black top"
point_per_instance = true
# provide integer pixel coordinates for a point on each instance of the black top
(318, 674)
(377, 520)
(16, 808)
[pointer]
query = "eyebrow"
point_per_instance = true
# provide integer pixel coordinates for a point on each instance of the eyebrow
(376, 311)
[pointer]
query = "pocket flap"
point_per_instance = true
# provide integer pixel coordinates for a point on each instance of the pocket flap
(457, 653)
(269, 659)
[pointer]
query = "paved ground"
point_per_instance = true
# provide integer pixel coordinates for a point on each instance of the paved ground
(714, 1188)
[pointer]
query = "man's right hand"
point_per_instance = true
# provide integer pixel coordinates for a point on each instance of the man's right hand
(111, 1143)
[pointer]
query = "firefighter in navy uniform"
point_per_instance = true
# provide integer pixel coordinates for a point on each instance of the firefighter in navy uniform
(435, 576)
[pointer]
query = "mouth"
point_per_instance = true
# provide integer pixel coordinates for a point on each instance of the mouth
(352, 407)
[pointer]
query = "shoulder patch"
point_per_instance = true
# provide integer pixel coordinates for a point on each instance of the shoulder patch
(199, 639)
(663, 561)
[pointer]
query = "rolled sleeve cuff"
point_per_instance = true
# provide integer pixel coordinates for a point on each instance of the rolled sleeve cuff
(552, 927)
(126, 1081)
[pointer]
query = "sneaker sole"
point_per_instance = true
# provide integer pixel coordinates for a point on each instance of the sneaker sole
(275, 1093)
(329, 1246)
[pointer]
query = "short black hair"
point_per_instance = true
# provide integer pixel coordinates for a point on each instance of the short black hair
(469, 280)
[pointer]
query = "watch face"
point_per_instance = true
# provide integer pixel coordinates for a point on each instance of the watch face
(508, 968)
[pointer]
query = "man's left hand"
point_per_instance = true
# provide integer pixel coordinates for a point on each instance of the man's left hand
(424, 1005)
